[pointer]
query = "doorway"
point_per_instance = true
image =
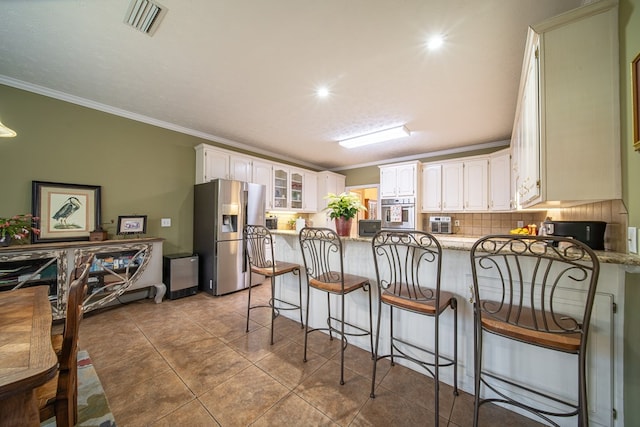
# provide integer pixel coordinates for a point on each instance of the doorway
(369, 198)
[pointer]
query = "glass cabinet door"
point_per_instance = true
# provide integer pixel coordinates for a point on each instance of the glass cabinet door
(280, 188)
(296, 190)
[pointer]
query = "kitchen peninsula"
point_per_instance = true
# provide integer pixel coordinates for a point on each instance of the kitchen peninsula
(605, 370)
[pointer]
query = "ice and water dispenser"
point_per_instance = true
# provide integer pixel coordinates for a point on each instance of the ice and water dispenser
(229, 218)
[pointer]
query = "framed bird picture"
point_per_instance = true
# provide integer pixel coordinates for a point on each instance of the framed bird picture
(64, 212)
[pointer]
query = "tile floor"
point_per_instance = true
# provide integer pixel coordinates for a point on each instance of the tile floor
(190, 362)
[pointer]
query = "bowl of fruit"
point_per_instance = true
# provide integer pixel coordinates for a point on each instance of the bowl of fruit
(530, 230)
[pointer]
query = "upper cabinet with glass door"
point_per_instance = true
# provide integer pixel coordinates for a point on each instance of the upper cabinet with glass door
(280, 188)
(292, 189)
(297, 183)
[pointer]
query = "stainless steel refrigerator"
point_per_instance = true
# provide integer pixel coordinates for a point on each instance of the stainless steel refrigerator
(221, 208)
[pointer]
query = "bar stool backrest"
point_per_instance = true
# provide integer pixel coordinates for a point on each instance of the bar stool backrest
(258, 245)
(408, 263)
(322, 254)
(527, 281)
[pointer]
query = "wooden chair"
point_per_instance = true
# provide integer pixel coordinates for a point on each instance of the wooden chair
(59, 397)
(78, 271)
(323, 262)
(408, 269)
(259, 252)
(522, 285)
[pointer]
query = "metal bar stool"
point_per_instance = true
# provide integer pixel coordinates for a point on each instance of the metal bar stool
(323, 262)
(258, 245)
(520, 286)
(408, 266)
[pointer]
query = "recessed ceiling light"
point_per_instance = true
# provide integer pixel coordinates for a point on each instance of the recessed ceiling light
(435, 42)
(375, 137)
(322, 92)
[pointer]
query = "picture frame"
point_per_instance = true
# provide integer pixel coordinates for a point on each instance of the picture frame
(132, 224)
(635, 89)
(64, 212)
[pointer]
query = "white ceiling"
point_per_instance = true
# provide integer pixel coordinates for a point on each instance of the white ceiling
(245, 72)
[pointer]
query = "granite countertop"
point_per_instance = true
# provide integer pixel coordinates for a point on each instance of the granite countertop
(460, 242)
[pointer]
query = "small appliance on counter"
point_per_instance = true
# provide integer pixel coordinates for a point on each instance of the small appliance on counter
(589, 232)
(272, 222)
(369, 227)
(440, 224)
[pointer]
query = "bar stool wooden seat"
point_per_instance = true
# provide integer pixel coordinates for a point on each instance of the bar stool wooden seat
(408, 269)
(520, 286)
(323, 262)
(258, 244)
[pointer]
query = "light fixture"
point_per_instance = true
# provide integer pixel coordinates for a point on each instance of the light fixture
(375, 137)
(322, 92)
(435, 42)
(5, 132)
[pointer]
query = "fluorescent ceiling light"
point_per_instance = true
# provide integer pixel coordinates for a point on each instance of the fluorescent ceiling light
(375, 137)
(5, 132)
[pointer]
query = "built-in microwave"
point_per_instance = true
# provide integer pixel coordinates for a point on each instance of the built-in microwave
(398, 213)
(368, 227)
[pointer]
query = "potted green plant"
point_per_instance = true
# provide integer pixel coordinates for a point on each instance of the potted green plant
(343, 208)
(17, 229)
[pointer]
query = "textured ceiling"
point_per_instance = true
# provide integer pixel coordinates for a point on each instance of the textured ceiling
(245, 72)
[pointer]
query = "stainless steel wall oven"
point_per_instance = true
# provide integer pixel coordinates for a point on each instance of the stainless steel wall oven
(398, 213)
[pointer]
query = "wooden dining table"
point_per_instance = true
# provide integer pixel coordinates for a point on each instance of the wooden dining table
(27, 358)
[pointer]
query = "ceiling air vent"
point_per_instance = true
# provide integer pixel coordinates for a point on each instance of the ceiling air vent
(144, 15)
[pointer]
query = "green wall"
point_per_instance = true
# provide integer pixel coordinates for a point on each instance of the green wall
(629, 22)
(142, 169)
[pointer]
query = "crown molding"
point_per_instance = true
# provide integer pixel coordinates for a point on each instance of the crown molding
(459, 150)
(41, 90)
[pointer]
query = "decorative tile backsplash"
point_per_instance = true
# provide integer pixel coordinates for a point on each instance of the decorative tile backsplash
(613, 212)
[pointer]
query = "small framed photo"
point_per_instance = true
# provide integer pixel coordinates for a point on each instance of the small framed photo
(132, 224)
(65, 212)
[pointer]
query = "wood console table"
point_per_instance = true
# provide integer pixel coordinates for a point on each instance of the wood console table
(120, 266)
(27, 359)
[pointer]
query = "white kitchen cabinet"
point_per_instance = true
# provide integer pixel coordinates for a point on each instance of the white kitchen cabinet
(500, 181)
(297, 188)
(287, 187)
(294, 189)
(566, 135)
(526, 132)
(211, 163)
(453, 186)
(310, 195)
(399, 180)
(431, 187)
(262, 173)
(280, 188)
(456, 185)
(476, 184)
(240, 168)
